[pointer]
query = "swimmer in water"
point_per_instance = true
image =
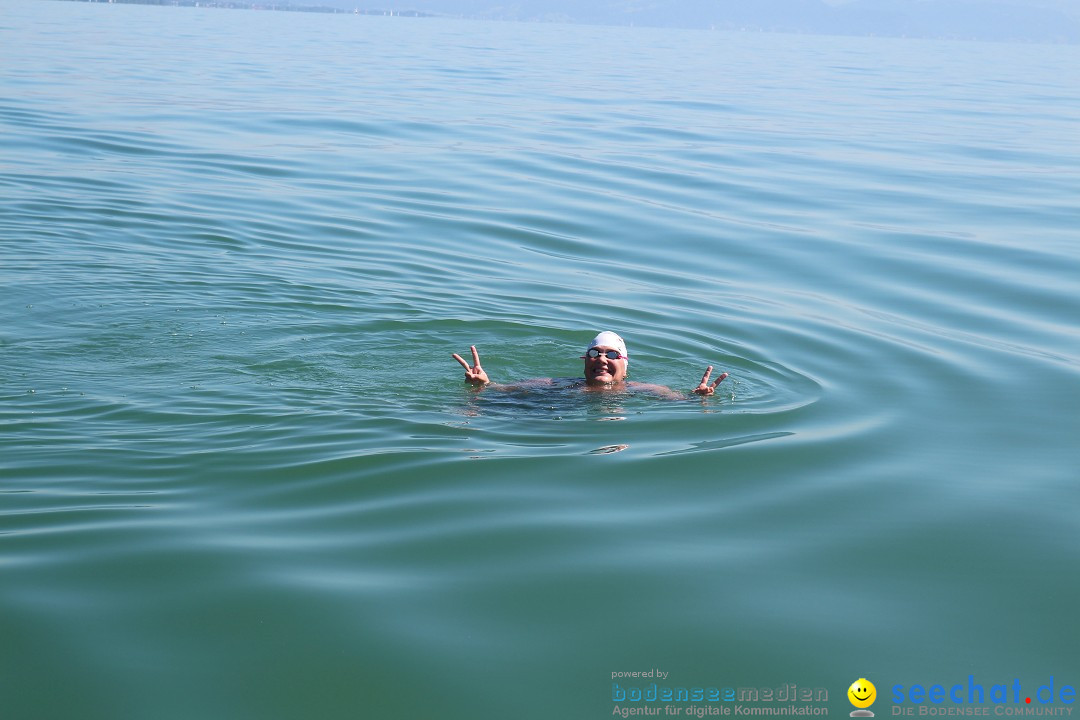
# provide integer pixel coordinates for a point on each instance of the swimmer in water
(606, 362)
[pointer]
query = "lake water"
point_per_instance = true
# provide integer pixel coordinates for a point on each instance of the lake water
(242, 477)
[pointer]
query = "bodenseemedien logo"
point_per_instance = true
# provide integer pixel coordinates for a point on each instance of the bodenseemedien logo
(862, 695)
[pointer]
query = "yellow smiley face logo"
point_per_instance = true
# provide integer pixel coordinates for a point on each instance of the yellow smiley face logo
(862, 693)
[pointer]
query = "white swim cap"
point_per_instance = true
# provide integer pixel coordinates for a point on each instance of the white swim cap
(610, 339)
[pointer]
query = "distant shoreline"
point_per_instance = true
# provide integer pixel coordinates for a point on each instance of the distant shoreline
(946, 20)
(278, 7)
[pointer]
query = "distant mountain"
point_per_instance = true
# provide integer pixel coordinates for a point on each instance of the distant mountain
(1033, 20)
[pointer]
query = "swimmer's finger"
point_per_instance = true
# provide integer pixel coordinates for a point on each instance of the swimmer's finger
(461, 360)
(475, 356)
(705, 377)
(719, 380)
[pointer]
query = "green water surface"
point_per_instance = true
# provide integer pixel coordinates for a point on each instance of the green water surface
(241, 476)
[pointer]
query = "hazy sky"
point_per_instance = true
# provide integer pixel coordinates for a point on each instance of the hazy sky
(1039, 20)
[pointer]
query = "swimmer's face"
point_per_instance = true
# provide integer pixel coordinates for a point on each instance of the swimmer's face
(862, 693)
(602, 371)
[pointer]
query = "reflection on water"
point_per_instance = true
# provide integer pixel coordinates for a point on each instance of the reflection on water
(608, 449)
(728, 442)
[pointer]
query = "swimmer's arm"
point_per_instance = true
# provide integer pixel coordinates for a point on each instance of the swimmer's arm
(705, 388)
(475, 375)
(659, 390)
(534, 382)
(525, 385)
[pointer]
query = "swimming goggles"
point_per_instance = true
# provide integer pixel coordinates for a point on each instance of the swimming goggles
(609, 354)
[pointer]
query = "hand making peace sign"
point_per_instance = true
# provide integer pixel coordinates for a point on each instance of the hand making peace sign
(705, 388)
(474, 374)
